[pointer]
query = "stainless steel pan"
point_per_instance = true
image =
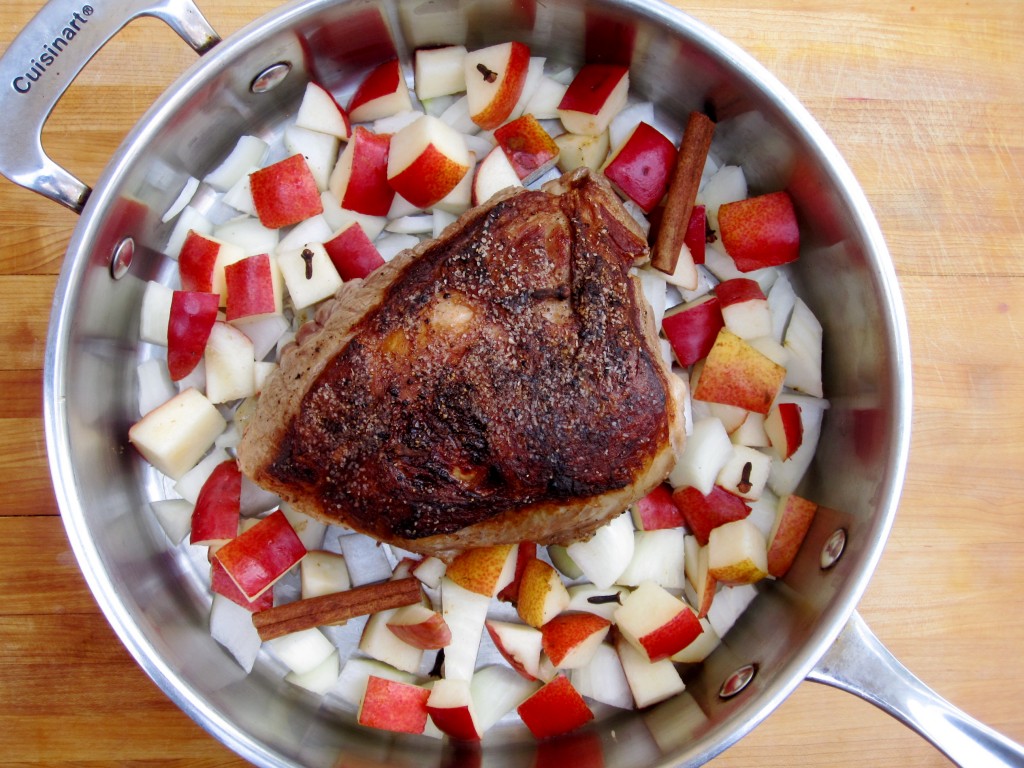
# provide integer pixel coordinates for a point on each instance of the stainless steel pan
(804, 627)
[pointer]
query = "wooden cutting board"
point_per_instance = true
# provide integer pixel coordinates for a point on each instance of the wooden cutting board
(926, 103)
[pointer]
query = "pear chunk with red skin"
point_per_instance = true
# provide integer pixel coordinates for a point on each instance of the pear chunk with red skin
(201, 263)
(359, 181)
(556, 708)
(691, 328)
(261, 555)
(319, 112)
(785, 429)
(255, 288)
(542, 595)
(737, 374)
(427, 160)
(353, 253)
(793, 519)
(760, 231)
(596, 94)
(696, 233)
(221, 584)
(657, 511)
(285, 193)
(744, 308)
(451, 709)
(703, 583)
(395, 706)
(525, 552)
(382, 93)
(737, 553)
(230, 364)
(519, 644)
(495, 77)
(484, 570)
(649, 682)
(174, 436)
(529, 148)
(493, 174)
(576, 150)
(705, 512)
(420, 627)
(216, 513)
(640, 168)
(570, 639)
(188, 328)
(655, 622)
(439, 71)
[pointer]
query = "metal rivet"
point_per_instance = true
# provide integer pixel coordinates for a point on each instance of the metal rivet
(121, 260)
(271, 77)
(833, 549)
(737, 681)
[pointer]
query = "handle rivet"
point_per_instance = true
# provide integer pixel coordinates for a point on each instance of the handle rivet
(121, 259)
(737, 681)
(271, 77)
(833, 549)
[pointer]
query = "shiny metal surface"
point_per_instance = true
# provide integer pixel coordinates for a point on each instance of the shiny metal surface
(155, 597)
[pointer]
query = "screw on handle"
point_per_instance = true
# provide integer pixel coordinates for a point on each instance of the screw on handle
(43, 60)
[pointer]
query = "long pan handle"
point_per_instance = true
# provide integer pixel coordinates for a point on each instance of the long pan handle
(859, 664)
(41, 63)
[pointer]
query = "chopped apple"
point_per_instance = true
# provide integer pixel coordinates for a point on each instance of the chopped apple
(737, 374)
(465, 613)
(658, 556)
(575, 150)
(216, 513)
(556, 708)
(596, 94)
(591, 599)
(726, 185)
(692, 328)
(701, 580)
(429, 571)
(261, 555)
(542, 595)
(191, 319)
(649, 682)
(451, 708)
(175, 435)
(529, 148)
(696, 233)
(359, 181)
(285, 193)
(391, 705)
(495, 77)
(744, 308)
(493, 174)
(701, 648)
(760, 231)
(655, 622)
(319, 112)
(221, 584)
(544, 101)
(201, 263)
(302, 651)
(786, 475)
(255, 288)
(309, 274)
(737, 553)
(785, 429)
(382, 93)
(751, 432)
(793, 519)
(641, 166)
(745, 473)
(656, 510)
(707, 449)
(230, 364)
(379, 642)
(519, 644)
(570, 639)
(439, 71)
(426, 161)
(705, 512)
(352, 253)
(525, 552)
(323, 573)
(604, 556)
(484, 570)
(420, 627)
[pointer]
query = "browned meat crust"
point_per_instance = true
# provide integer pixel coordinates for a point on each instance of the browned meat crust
(500, 383)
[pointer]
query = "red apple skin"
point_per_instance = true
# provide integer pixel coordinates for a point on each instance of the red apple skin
(656, 511)
(673, 636)
(792, 428)
(567, 630)
(285, 193)
(256, 558)
(554, 709)
(591, 87)
(529, 148)
(738, 290)
(456, 722)
(704, 513)
(691, 330)
(353, 253)
(216, 513)
(737, 374)
(239, 278)
(696, 237)
(506, 654)
(527, 551)
(368, 189)
(192, 316)
(797, 514)
(428, 635)
(501, 106)
(196, 262)
(760, 231)
(222, 584)
(394, 706)
(381, 81)
(643, 166)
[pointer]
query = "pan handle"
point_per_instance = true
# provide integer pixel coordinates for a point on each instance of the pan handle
(859, 664)
(45, 58)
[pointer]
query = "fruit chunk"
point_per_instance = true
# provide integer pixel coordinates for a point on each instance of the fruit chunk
(576, 150)
(641, 166)
(692, 328)
(737, 374)
(493, 174)
(255, 288)
(426, 160)
(648, 682)
(439, 71)
(309, 274)
(230, 364)
(737, 553)
(495, 77)
(392, 705)
(175, 435)
(785, 429)
(705, 512)
(519, 644)
(188, 329)
(525, 552)
(570, 639)
(484, 570)
(201, 263)
(596, 94)
(382, 93)
(529, 148)
(352, 252)
(216, 513)
(655, 622)
(707, 450)
(656, 511)
(221, 584)
(554, 709)
(744, 308)
(285, 193)
(319, 112)
(760, 231)
(793, 519)
(420, 627)
(359, 180)
(261, 555)
(542, 595)
(323, 573)
(451, 708)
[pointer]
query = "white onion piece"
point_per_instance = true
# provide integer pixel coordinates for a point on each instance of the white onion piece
(416, 224)
(391, 244)
(174, 516)
(395, 123)
(623, 123)
(248, 152)
(189, 218)
(184, 198)
(457, 116)
(239, 196)
(441, 219)
(248, 234)
(155, 385)
(231, 626)
(312, 230)
(367, 561)
(156, 312)
(191, 482)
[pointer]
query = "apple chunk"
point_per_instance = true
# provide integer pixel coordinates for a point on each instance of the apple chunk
(175, 435)
(451, 708)
(261, 555)
(191, 320)
(737, 374)
(359, 181)
(655, 622)
(691, 328)
(420, 627)
(554, 709)
(570, 639)
(529, 148)
(793, 519)
(285, 193)
(382, 93)
(255, 288)
(392, 705)
(737, 553)
(319, 112)
(216, 513)
(760, 231)
(495, 77)
(427, 159)
(484, 570)
(641, 166)
(542, 595)
(596, 94)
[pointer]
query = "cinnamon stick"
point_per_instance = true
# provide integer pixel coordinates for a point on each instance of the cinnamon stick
(336, 608)
(682, 192)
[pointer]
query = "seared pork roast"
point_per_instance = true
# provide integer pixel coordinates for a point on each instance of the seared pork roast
(500, 383)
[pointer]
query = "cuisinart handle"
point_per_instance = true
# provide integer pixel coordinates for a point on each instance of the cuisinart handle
(45, 58)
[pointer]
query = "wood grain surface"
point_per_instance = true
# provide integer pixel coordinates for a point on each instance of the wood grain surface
(926, 102)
